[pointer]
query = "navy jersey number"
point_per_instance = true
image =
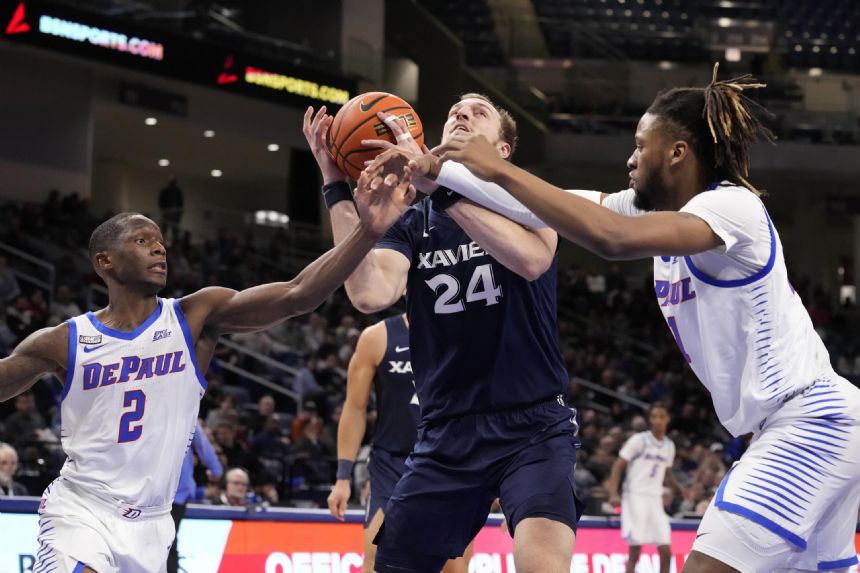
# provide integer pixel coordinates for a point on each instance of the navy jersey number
(482, 287)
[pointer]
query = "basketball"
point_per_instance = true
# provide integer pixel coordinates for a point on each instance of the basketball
(357, 120)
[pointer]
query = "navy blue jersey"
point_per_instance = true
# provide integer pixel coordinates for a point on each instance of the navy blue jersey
(396, 400)
(482, 337)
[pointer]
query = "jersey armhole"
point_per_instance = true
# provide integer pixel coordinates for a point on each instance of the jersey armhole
(189, 342)
(70, 362)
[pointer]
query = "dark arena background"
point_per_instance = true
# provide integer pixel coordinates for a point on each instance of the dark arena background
(190, 111)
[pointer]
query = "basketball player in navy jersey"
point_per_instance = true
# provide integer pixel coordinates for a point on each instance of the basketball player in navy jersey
(133, 379)
(382, 362)
(488, 371)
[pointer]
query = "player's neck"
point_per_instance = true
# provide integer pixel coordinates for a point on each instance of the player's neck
(659, 437)
(127, 311)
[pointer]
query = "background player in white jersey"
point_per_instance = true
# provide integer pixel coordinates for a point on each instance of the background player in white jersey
(382, 363)
(720, 278)
(133, 378)
(647, 458)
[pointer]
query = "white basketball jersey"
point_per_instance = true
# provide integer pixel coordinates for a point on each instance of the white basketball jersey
(741, 326)
(647, 461)
(129, 406)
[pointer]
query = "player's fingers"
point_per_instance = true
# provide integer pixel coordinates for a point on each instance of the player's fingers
(391, 180)
(424, 148)
(392, 121)
(381, 143)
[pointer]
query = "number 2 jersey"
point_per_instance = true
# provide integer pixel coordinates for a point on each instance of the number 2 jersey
(736, 318)
(129, 406)
(482, 338)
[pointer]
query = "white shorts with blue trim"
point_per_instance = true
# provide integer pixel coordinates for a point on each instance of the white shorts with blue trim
(644, 521)
(791, 502)
(77, 530)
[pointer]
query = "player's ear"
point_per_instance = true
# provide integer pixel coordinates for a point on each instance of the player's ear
(102, 261)
(680, 150)
(504, 149)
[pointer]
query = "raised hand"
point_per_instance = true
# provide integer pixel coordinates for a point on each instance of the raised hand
(384, 194)
(475, 152)
(315, 126)
(410, 149)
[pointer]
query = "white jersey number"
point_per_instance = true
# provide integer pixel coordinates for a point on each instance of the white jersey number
(482, 278)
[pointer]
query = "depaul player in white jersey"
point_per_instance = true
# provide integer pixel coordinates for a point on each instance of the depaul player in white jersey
(721, 282)
(133, 375)
(647, 458)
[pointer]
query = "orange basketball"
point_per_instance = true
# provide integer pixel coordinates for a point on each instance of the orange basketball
(357, 120)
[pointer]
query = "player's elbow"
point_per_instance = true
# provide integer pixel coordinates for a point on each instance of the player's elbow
(367, 302)
(534, 268)
(611, 246)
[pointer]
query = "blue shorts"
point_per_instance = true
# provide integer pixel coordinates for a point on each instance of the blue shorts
(385, 470)
(524, 457)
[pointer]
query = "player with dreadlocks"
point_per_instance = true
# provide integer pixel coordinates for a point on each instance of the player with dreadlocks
(720, 279)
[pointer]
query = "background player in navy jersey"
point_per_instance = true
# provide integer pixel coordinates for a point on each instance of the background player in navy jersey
(382, 363)
(133, 379)
(488, 371)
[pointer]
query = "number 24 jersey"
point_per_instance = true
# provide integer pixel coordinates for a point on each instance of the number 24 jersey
(482, 337)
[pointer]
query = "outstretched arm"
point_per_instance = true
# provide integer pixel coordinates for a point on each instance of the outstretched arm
(527, 252)
(43, 352)
(579, 220)
(220, 310)
(379, 280)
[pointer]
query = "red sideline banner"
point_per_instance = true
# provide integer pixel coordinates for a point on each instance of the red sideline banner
(309, 541)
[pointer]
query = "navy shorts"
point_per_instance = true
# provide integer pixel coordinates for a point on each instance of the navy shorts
(524, 457)
(385, 470)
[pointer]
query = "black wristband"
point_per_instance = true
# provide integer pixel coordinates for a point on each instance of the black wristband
(335, 192)
(344, 469)
(443, 198)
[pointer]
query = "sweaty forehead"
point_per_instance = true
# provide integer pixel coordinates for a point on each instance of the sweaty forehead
(473, 103)
(140, 223)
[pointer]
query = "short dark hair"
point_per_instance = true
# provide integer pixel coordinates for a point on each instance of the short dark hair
(657, 405)
(508, 129)
(105, 235)
(719, 122)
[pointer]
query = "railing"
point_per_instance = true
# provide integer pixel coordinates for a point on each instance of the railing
(290, 372)
(612, 393)
(46, 284)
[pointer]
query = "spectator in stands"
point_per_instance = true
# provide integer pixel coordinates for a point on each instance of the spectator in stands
(225, 414)
(38, 306)
(25, 424)
(20, 319)
(171, 203)
(64, 306)
(237, 484)
(309, 410)
(236, 455)
(9, 288)
(314, 332)
(271, 441)
(265, 408)
(8, 468)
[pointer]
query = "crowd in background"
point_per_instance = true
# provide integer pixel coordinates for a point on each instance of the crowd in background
(612, 336)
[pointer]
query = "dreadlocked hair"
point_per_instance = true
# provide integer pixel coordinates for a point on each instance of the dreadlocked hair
(719, 122)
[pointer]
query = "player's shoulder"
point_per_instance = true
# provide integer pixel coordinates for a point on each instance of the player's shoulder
(51, 343)
(725, 196)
